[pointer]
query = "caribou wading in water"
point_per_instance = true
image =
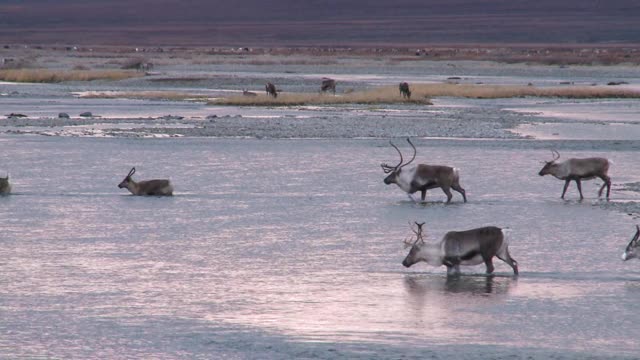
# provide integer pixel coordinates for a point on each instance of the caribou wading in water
(271, 90)
(158, 187)
(632, 249)
(466, 248)
(423, 177)
(405, 92)
(5, 186)
(328, 85)
(578, 170)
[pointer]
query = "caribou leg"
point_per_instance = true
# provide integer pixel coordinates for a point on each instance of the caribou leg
(566, 185)
(607, 183)
(423, 194)
(448, 192)
(453, 270)
(459, 189)
(488, 262)
(506, 257)
(579, 185)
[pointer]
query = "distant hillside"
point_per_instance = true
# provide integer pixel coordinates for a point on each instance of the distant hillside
(318, 22)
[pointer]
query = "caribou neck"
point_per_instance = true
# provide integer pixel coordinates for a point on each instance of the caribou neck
(406, 178)
(561, 170)
(431, 253)
(133, 187)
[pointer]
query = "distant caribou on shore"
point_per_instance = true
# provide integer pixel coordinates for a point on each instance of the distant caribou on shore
(328, 85)
(578, 169)
(405, 92)
(271, 90)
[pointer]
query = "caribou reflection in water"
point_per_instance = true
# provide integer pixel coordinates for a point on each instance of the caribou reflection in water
(473, 285)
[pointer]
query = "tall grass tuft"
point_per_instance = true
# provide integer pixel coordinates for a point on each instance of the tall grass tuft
(51, 76)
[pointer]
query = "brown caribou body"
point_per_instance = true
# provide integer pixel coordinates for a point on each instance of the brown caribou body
(271, 90)
(328, 85)
(405, 92)
(466, 248)
(158, 187)
(423, 177)
(575, 169)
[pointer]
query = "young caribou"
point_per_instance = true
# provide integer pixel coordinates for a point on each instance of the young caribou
(149, 187)
(631, 251)
(423, 177)
(470, 247)
(578, 170)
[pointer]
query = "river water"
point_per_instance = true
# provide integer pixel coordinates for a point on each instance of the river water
(274, 249)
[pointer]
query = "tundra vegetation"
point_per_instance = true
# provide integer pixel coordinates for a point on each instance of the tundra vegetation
(422, 93)
(56, 76)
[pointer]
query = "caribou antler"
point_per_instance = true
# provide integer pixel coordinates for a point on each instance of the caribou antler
(417, 232)
(556, 154)
(133, 171)
(386, 168)
(414, 153)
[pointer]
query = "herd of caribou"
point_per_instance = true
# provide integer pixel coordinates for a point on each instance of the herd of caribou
(481, 245)
(327, 84)
(470, 247)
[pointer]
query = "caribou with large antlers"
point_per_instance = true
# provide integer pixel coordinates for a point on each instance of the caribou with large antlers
(423, 177)
(466, 248)
(578, 170)
(159, 187)
(631, 251)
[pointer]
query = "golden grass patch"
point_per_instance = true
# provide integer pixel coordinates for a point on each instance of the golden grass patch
(54, 76)
(144, 95)
(421, 93)
(381, 95)
(512, 91)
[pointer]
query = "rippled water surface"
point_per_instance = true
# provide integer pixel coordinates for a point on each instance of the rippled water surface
(277, 249)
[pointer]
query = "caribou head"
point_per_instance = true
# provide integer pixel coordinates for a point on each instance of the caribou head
(416, 245)
(549, 166)
(632, 249)
(127, 179)
(394, 171)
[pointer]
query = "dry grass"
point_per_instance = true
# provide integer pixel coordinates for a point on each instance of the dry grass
(382, 95)
(144, 95)
(421, 93)
(512, 91)
(51, 76)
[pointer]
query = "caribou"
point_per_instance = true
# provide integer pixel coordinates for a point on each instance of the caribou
(405, 92)
(5, 186)
(466, 248)
(631, 251)
(246, 92)
(158, 187)
(423, 177)
(328, 84)
(271, 90)
(578, 170)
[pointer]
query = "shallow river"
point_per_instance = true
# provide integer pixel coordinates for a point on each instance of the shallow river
(277, 249)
